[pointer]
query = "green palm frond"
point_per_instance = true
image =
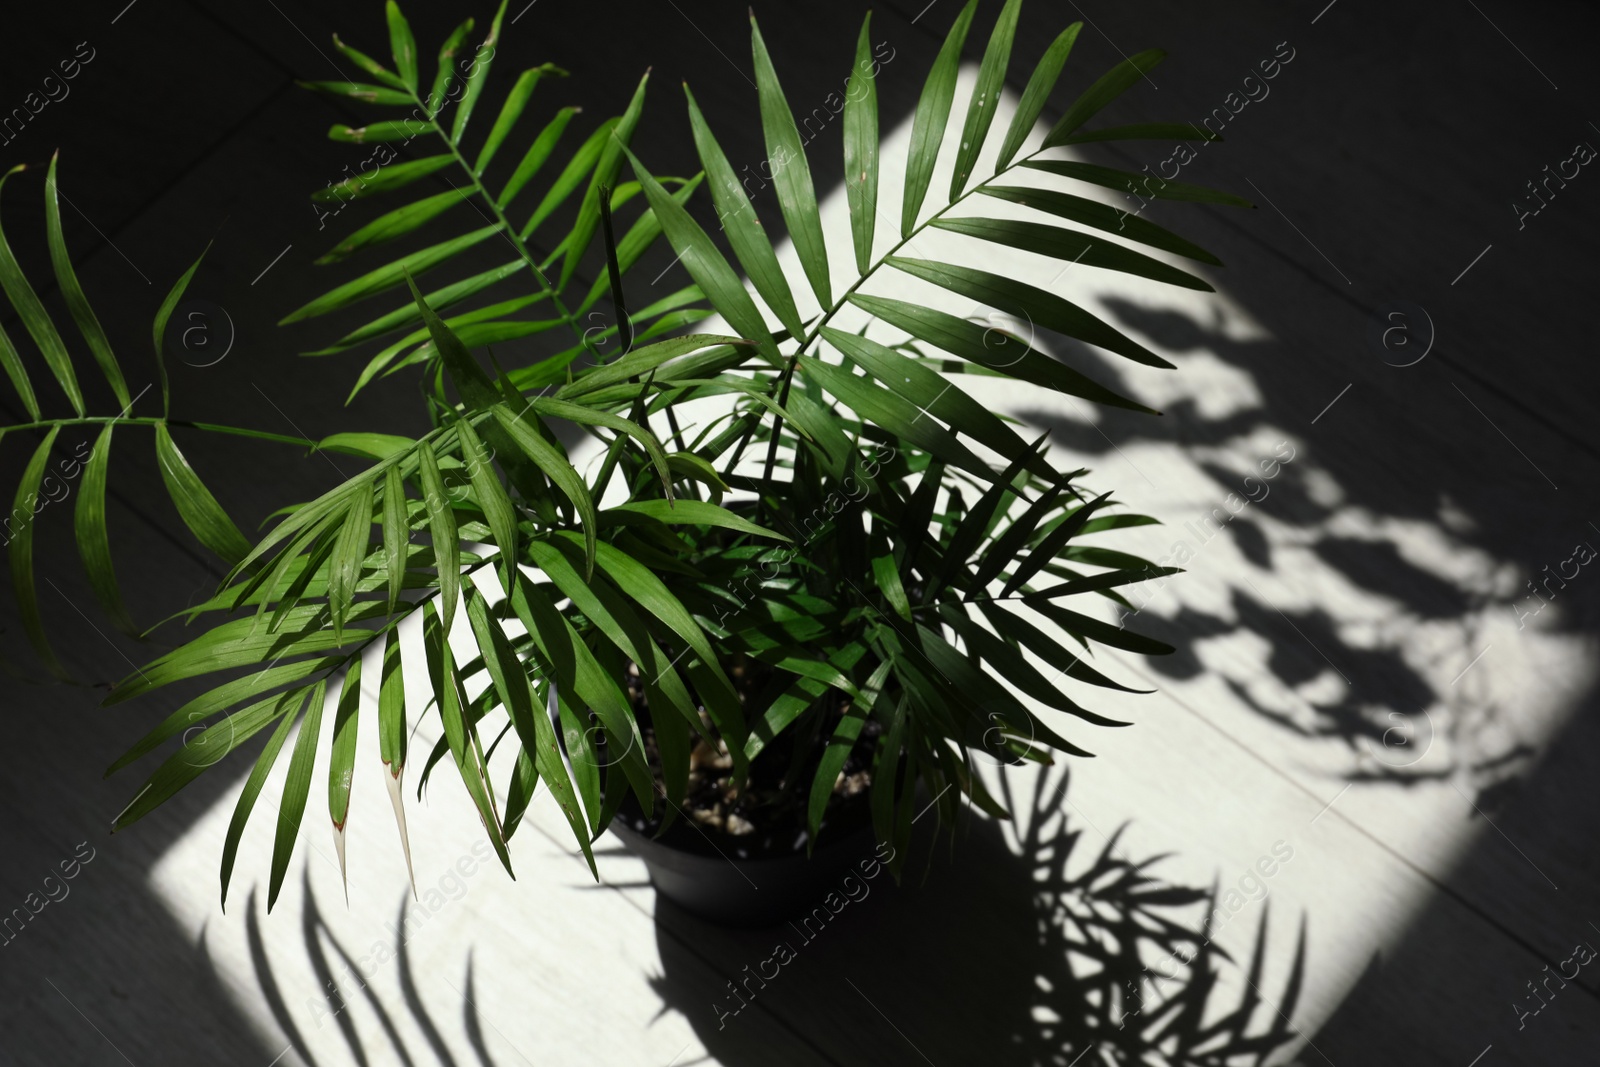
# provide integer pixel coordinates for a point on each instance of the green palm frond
(885, 590)
(90, 465)
(918, 577)
(491, 485)
(529, 293)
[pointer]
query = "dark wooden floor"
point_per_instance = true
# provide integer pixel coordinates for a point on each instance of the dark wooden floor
(1386, 162)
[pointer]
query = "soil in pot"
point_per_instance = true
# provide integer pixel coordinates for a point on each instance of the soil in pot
(739, 857)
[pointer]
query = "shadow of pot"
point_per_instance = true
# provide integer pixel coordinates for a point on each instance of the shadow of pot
(1028, 943)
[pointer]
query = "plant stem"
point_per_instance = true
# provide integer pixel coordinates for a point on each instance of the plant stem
(209, 427)
(394, 620)
(844, 298)
(517, 242)
(510, 231)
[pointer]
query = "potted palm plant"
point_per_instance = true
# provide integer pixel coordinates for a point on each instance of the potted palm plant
(796, 578)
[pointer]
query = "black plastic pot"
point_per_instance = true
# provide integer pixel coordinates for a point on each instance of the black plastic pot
(708, 873)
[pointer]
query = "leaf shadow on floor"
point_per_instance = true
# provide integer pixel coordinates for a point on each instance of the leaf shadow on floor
(1039, 942)
(413, 1031)
(1345, 522)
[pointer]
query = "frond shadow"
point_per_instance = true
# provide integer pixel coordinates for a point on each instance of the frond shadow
(1032, 946)
(1388, 710)
(348, 996)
